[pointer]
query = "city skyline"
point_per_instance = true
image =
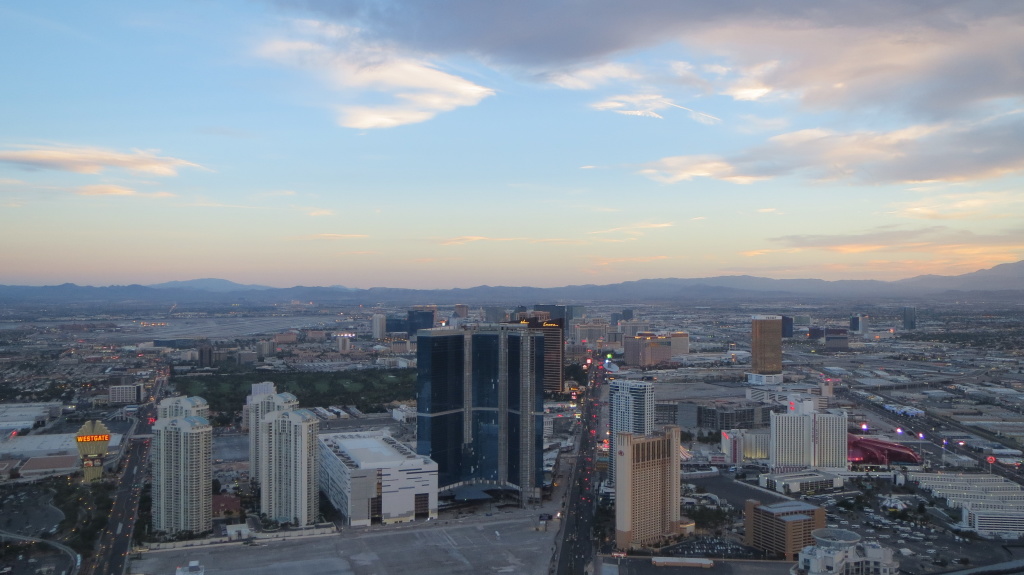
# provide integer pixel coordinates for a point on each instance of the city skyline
(553, 144)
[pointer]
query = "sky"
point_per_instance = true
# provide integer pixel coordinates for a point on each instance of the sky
(457, 143)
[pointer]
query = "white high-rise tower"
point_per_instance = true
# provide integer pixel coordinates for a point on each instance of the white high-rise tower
(182, 470)
(290, 470)
(631, 409)
(803, 438)
(262, 403)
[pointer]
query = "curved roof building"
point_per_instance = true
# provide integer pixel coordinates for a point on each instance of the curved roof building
(868, 451)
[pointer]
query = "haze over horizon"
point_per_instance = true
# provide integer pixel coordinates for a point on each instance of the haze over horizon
(365, 143)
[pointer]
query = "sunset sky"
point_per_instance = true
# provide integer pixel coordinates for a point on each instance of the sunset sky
(459, 143)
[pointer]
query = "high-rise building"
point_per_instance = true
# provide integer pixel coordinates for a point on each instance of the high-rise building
(344, 344)
(555, 311)
(372, 479)
(379, 326)
(741, 445)
(479, 414)
(182, 406)
(646, 349)
(787, 326)
(590, 333)
(419, 319)
(122, 394)
(265, 348)
(859, 324)
(765, 349)
(631, 409)
(205, 356)
(290, 467)
(680, 343)
(494, 314)
(554, 351)
(803, 438)
(647, 487)
(461, 310)
(262, 402)
(182, 470)
(783, 528)
(630, 328)
(909, 318)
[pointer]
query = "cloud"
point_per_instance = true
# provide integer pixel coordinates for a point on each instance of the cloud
(925, 58)
(751, 124)
(964, 206)
(335, 236)
(641, 259)
(933, 239)
(419, 89)
(592, 77)
(684, 168)
(646, 104)
(635, 229)
(83, 160)
(944, 152)
(112, 190)
(462, 240)
(892, 251)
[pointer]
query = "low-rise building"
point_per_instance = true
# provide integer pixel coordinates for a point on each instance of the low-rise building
(783, 528)
(372, 478)
(841, 552)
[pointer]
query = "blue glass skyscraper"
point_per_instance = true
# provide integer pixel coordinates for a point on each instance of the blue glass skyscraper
(480, 405)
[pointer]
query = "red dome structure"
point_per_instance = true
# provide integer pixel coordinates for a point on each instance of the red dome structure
(864, 450)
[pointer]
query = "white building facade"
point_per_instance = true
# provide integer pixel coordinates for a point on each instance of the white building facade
(804, 438)
(262, 403)
(182, 475)
(631, 409)
(841, 552)
(372, 478)
(290, 470)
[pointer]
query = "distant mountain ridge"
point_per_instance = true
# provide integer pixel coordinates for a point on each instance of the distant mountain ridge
(209, 284)
(1004, 281)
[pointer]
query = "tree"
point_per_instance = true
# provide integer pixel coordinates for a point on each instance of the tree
(216, 486)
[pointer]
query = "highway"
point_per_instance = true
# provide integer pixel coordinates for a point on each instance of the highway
(577, 547)
(116, 541)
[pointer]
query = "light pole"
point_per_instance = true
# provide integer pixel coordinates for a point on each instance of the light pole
(920, 446)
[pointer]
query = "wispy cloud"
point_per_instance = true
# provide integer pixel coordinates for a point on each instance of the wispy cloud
(684, 168)
(635, 229)
(85, 160)
(641, 259)
(592, 77)
(113, 190)
(941, 241)
(963, 206)
(647, 105)
(419, 88)
(944, 152)
(462, 240)
(328, 236)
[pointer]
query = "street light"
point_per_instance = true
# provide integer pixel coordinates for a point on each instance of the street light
(920, 446)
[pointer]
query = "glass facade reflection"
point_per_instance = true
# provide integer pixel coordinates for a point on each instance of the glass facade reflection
(481, 420)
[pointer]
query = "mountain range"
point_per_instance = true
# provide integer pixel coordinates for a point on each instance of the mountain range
(1003, 282)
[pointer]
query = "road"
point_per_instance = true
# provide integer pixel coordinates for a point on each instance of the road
(116, 541)
(577, 548)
